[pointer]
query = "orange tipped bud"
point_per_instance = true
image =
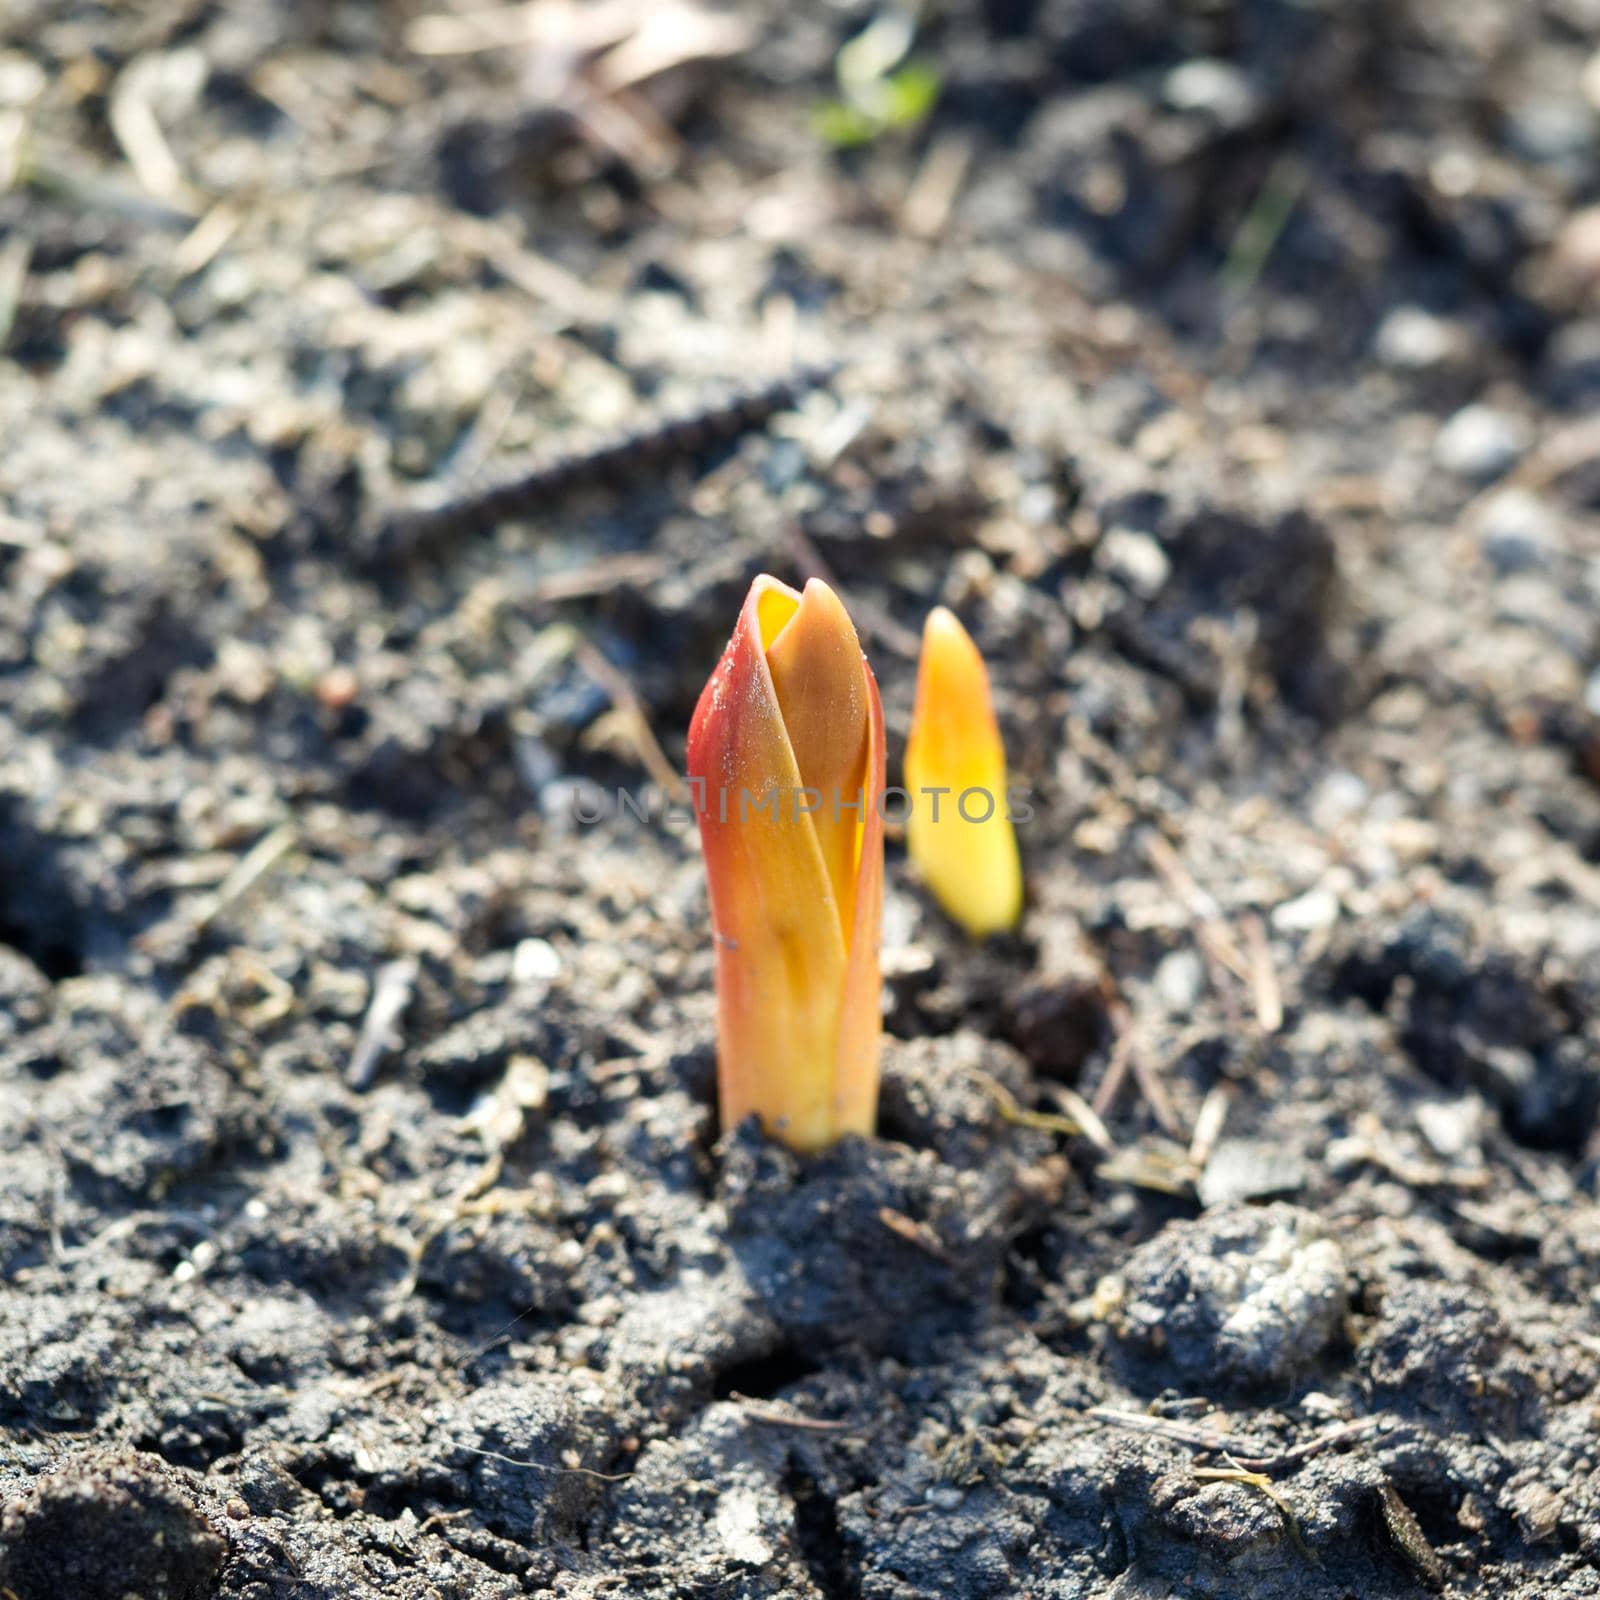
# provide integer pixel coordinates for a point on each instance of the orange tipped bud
(786, 759)
(959, 831)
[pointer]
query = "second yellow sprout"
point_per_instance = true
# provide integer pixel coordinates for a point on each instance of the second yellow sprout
(959, 831)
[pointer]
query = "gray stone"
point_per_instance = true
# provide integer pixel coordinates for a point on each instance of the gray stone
(1520, 531)
(1552, 131)
(1481, 443)
(1214, 88)
(1571, 364)
(1179, 979)
(1410, 339)
(1136, 559)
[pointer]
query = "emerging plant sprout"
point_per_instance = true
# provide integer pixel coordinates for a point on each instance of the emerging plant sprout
(786, 755)
(959, 832)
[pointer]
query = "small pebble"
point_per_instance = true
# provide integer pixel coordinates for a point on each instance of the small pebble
(1324, 1407)
(1577, 249)
(535, 961)
(22, 79)
(1552, 131)
(1178, 980)
(1455, 172)
(1136, 559)
(1214, 88)
(537, 765)
(1571, 362)
(1338, 798)
(1316, 908)
(1451, 1127)
(1520, 531)
(337, 689)
(1412, 340)
(1481, 443)
(908, 961)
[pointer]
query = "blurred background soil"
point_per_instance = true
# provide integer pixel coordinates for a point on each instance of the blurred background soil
(1230, 366)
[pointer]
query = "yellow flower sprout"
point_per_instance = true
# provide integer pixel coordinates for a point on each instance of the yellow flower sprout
(959, 832)
(786, 755)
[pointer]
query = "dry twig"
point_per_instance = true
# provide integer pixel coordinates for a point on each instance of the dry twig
(913, 1232)
(252, 868)
(391, 994)
(780, 1417)
(1125, 1059)
(1264, 989)
(1211, 933)
(1250, 1455)
(933, 191)
(627, 701)
(1080, 1119)
(15, 257)
(131, 113)
(1208, 1126)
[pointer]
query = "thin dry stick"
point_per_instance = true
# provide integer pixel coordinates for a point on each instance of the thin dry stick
(206, 239)
(1077, 1109)
(626, 699)
(602, 576)
(1187, 1433)
(448, 508)
(538, 277)
(544, 1466)
(1211, 933)
(776, 1416)
(487, 427)
(391, 994)
(1249, 1454)
(1564, 451)
(252, 868)
(1344, 1433)
(1208, 1126)
(1105, 1096)
(913, 1232)
(15, 258)
(1125, 1058)
(136, 129)
(1079, 1118)
(442, 1519)
(933, 191)
(1155, 1094)
(1264, 990)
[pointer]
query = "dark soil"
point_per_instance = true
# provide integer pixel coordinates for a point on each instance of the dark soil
(1231, 368)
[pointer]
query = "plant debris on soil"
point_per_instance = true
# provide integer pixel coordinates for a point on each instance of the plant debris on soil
(1230, 368)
